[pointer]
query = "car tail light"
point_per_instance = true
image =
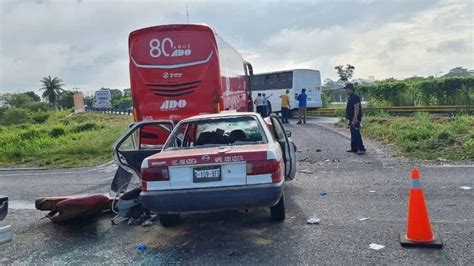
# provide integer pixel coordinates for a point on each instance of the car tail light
(272, 167)
(155, 174)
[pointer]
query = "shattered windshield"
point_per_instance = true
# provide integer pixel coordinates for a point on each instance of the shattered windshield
(217, 132)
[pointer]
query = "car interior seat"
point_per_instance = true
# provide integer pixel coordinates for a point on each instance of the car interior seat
(238, 135)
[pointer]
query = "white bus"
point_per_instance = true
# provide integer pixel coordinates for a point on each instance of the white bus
(274, 84)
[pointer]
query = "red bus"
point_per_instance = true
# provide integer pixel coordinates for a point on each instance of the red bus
(177, 71)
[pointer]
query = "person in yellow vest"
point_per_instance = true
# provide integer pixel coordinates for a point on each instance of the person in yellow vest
(285, 107)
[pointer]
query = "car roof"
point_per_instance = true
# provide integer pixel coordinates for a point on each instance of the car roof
(219, 115)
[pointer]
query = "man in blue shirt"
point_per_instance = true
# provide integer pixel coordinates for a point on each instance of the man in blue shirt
(354, 116)
(302, 99)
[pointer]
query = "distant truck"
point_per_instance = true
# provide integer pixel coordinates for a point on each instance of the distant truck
(102, 99)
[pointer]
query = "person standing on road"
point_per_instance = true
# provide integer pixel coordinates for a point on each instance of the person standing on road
(260, 103)
(285, 107)
(266, 107)
(302, 98)
(354, 115)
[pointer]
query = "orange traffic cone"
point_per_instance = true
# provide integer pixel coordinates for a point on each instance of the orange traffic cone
(418, 233)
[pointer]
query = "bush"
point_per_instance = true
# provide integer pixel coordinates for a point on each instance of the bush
(426, 91)
(416, 135)
(15, 116)
(57, 131)
(29, 134)
(40, 118)
(445, 137)
(38, 106)
(2, 111)
(85, 127)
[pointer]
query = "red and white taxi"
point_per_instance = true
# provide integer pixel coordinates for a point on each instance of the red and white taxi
(218, 162)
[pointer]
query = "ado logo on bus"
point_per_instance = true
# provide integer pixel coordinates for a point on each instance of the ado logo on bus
(167, 48)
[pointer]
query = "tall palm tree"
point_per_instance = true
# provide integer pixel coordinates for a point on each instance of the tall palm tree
(52, 88)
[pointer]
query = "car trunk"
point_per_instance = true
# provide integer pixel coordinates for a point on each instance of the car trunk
(210, 167)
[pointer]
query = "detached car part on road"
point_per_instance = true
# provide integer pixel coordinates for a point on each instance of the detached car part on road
(5, 231)
(210, 163)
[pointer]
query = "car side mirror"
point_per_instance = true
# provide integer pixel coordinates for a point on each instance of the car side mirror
(288, 134)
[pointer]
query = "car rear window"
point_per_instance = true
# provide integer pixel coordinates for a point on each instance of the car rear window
(214, 132)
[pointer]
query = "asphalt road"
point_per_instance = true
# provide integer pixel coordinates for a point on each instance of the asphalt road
(374, 185)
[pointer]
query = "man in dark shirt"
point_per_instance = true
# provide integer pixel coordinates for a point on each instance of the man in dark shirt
(302, 101)
(354, 116)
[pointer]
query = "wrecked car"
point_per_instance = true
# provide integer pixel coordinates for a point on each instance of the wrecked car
(210, 163)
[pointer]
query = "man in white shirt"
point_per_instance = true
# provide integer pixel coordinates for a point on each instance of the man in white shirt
(260, 103)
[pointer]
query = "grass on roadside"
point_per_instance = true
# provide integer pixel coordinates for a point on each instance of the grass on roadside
(423, 136)
(79, 140)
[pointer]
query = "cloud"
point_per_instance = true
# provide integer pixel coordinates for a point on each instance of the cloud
(85, 42)
(454, 46)
(419, 43)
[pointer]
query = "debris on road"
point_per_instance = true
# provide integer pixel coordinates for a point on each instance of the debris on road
(313, 220)
(465, 187)
(363, 219)
(147, 223)
(306, 171)
(318, 150)
(323, 193)
(67, 208)
(141, 247)
(376, 246)
(371, 191)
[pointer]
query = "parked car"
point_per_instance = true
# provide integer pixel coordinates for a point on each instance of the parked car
(212, 162)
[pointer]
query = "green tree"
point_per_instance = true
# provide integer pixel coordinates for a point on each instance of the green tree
(66, 99)
(88, 101)
(17, 99)
(458, 72)
(116, 94)
(33, 96)
(122, 103)
(52, 87)
(14, 116)
(345, 74)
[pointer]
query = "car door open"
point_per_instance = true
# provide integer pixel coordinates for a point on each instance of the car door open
(140, 141)
(285, 144)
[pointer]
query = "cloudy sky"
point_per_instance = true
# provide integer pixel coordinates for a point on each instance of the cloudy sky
(84, 42)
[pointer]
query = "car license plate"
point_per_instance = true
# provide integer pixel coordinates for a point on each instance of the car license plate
(207, 174)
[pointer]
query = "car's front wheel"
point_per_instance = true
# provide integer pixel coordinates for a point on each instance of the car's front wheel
(169, 220)
(278, 211)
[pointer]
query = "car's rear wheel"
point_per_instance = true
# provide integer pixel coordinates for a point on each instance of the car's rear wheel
(169, 220)
(278, 211)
